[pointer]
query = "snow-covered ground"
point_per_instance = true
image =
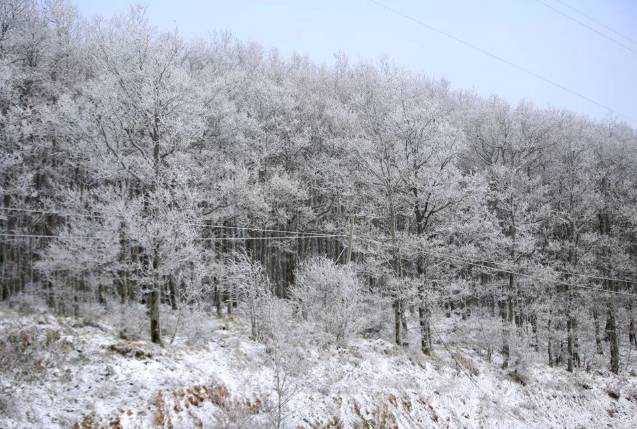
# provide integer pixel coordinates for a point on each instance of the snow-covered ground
(77, 374)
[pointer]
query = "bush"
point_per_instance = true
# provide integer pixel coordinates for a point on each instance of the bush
(248, 283)
(329, 295)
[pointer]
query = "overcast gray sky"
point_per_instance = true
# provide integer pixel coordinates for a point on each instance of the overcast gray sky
(525, 32)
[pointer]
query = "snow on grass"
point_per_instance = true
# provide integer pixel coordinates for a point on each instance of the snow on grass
(71, 373)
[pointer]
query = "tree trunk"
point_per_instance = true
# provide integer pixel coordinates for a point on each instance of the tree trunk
(506, 353)
(155, 294)
(217, 298)
(534, 331)
(154, 301)
(570, 347)
(576, 356)
(424, 314)
(101, 299)
(403, 321)
(549, 347)
(398, 306)
(504, 324)
(172, 290)
(397, 322)
(50, 296)
(632, 330)
(76, 299)
(510, 300)
(598, 337)
(613, 338)
(123, 287)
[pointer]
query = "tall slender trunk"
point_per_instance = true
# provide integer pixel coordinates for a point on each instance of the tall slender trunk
(534, 331)
(348, 258)
(571, 346)
(397, 304)
(507, 319)
(76, 298)
(424, 309)
(101, 299)
(510, 298)
(506, 352)
(549, 347)
(611, 324)
(571, 339)
(172, 291)
(632, 330)
(424, 315)
(5, 285)
(154, 301)
(613, 339)
(154, 298)
(397, 320)
(217, 298)
(598, 336)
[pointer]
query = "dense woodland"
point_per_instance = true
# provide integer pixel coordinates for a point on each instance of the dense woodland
(139, 167)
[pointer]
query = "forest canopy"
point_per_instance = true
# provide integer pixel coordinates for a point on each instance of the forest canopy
(137, 166)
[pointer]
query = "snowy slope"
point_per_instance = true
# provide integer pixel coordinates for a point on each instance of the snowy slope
(69, 373)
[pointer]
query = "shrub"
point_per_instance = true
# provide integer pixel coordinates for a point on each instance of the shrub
(329, 295)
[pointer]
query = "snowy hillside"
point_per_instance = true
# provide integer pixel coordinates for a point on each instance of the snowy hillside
(74, 374)
(201, 231)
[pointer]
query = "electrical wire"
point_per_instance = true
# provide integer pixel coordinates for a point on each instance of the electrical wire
(531, 276)
(3, 234)
(592, 19)
(305, 235)
(289, 237)
(452, 258)
(244, 228)
(585, 25)
(18, 209)
(502, 60)
(590, 276)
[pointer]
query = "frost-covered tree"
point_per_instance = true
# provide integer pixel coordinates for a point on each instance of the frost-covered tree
(329, 295)
(139, 116)
(154, 169)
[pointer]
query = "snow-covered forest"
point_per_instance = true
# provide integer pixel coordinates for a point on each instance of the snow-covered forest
(299, 233)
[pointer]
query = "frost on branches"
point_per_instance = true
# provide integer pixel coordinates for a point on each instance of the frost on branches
(365, 243)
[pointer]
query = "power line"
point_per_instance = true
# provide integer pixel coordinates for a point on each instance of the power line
(17, 209)
(585, 25)
(502, 60)
(596, 21)
(510, 270)
(72, 214)
(309, 235)
(277, 237)
(301, 234)
(11, 235)
(590, 276)
(531, 276)
(453, 258)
